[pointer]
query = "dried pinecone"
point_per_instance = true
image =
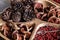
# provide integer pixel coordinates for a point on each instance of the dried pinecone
(6, 14)
(17, 6)
(29, 13)
(16, 16)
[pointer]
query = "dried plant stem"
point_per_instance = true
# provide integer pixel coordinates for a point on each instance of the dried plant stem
(4, 37)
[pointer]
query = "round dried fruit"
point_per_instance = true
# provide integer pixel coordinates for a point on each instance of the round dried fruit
(16, 16)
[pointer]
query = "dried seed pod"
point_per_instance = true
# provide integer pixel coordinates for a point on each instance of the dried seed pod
(16, 16)
(29, 13)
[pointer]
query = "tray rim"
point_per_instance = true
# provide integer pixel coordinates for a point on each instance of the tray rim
(53, 2)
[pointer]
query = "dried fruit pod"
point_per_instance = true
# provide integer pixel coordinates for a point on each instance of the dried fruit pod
(29, 13)
(16, 16)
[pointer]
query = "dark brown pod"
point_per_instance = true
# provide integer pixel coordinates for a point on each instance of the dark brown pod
(16, 16)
